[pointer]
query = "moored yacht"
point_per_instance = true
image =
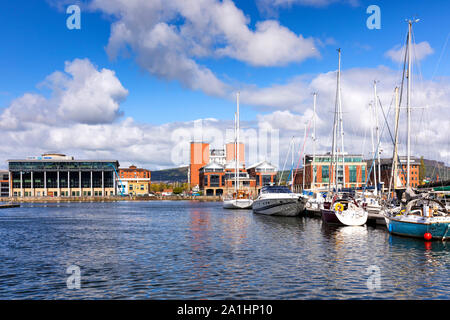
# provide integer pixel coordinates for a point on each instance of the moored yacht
(279, 201)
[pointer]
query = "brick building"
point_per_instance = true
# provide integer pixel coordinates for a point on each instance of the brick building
(134, 181)
(386, 172)
(355, 172)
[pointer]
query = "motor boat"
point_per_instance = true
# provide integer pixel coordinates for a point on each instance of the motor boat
(279, 201)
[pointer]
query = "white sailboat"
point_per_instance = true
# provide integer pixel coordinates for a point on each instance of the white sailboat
(239, 199)
(342, 209)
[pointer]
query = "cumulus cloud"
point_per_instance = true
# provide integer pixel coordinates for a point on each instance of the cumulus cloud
(80, 94)
(33, 122)
(419, 51)
(168, 38)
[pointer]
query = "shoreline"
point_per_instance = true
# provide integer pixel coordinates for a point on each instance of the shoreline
(13, 200)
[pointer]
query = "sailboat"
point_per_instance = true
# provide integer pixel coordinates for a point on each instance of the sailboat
(342, 209)
(421, 217)
(315, 199)
(240, 199)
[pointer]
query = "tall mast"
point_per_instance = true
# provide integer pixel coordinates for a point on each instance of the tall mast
(377, 129)
(340, 120)
(408, 107)
(335, 126)
(237, 141)
(314, 144)
(394, 171)
(235, 153)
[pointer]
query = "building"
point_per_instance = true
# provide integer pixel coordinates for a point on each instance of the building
(58, 175)
(199, 158)
(4, 183)
(217, 176)
(134, 181)
(355, 172)
(264, 174)
(386, 172)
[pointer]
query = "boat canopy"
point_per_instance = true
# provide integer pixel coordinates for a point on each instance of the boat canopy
(275, 189)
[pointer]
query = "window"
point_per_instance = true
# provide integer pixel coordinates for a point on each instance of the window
(325, 173)
(363, 174)
(352, 173)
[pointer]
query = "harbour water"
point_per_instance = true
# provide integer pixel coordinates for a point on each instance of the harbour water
(197, 250)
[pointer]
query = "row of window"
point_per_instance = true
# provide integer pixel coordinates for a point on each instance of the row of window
(23, 166)
(64, 193)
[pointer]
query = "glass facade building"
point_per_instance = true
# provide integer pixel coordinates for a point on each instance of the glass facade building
(61, 176)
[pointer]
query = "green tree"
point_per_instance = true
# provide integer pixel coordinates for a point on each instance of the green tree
(177, 190)
(422, 170)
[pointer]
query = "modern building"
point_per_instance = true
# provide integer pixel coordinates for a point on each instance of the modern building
(4, 183)
(355, 172)
(386, 172)
(58, 175)
(134, 181)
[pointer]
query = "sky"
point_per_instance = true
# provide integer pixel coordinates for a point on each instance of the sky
(140, 79)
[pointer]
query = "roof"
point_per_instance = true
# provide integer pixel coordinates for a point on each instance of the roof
(213, 165)
(262, 165)
(232, 165)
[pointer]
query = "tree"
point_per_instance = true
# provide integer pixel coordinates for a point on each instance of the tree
(422, 170)
(177, 190)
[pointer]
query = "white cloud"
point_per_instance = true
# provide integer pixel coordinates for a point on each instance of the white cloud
(168, 37)
(32, 123)
(419, 51)
(81, 94)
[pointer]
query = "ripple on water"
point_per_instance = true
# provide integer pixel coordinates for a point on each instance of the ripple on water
(195, 250)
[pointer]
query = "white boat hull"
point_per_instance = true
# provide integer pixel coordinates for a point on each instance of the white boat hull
(238, 204)
(279, 207)
(352, 217)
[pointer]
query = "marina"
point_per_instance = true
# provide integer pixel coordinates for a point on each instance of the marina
(198, 250)
(225, 150)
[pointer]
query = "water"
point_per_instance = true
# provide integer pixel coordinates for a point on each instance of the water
(197, 250)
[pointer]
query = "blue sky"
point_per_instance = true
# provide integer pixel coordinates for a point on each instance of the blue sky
(37, 43)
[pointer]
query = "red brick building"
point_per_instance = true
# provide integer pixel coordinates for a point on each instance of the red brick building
(386, 172)
(355, 172)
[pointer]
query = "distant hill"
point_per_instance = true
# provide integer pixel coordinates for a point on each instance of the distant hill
(170, 175)
(436, 168)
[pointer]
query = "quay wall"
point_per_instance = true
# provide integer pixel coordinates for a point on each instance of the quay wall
(107, 199)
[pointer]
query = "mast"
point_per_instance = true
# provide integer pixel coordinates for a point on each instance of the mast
(314, 144)
(373, 157)
(377, 130)
(304, 157)
(408, 107)
(237, 141)
(235, 149)
(333, 170)
(341, 121)
(394, 171)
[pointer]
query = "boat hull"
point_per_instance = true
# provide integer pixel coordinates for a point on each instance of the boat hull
(278, 207)
(439, 230)
(238, 204)
(346, 218)
(330, 217)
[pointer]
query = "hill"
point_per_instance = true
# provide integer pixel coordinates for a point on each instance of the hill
(170, 175)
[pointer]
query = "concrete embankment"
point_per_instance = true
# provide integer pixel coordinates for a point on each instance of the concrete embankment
(109, 199)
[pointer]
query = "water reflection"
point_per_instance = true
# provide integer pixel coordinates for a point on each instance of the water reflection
(194, 250)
